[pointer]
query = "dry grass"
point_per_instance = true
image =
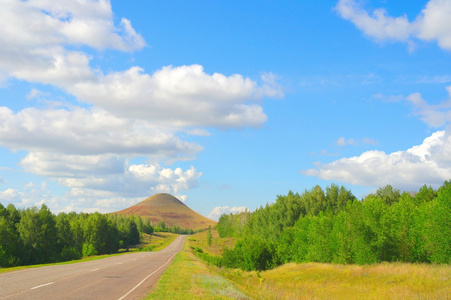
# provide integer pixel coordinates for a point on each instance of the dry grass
(330, 281)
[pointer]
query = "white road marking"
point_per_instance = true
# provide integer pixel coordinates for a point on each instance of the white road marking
(95, 270)
(36, 287)
(129, 292)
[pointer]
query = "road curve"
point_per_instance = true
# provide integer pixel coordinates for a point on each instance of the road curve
(121, 277)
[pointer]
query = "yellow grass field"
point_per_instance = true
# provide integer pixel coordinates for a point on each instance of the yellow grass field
(329, 281)
(301, 281)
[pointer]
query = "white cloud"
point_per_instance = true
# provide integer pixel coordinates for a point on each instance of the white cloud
(130, 113)
(369, 141)
(31, 195)
(36, 45)
(433, 23)
(378, 24)
(433, 115)
(352, 142)
(428, 163)
(45, 22)
(38, 194)
(108, 175)
(9, 195)
(436, 23)
(180, 96)
(344, 142)
(34, 36)
(81, 131)
(219, 210)
(102, 184)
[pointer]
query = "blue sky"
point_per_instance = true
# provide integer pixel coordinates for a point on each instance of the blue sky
(223, 104)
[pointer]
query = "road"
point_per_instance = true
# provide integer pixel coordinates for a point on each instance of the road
(128, 276)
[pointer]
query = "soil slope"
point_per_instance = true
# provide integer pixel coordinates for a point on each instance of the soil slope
(169, 209)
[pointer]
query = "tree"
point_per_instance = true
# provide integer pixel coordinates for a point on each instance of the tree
(161, 225)
(425, 194)
(318, 238)
(209, 236)
(388, 194)
(9, 243)
(101, 237)
(37, 229)
(439, 230)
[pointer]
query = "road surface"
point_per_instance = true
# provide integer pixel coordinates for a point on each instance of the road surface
(121, 277)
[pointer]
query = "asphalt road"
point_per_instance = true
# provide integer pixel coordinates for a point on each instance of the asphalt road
(121, 277)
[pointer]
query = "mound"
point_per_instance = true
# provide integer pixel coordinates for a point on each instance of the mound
(167, 208)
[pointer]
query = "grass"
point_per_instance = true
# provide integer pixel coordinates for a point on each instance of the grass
(330, 281)
(154, 242)
(158, 241)
(189, 277)
(200, 240)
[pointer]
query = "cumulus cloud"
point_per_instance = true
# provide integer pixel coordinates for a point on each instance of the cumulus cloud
(31, 195)
(46, 22)
(428, 163)
(433, 23)
(104, 182)
(82, 131)
(37, 45)
(35, 37)
(220, 210)
(120, 115)
(109, 174)
(180, 96)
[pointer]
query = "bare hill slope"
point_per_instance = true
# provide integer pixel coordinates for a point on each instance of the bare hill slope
(169, 209)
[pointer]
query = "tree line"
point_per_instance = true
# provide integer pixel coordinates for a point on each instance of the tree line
(36, 236)
(333, 226)
(162, 227)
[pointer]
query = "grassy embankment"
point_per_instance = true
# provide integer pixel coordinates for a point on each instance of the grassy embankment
(154, 242)
(188, 276)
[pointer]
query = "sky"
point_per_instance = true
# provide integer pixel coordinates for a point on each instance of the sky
(224, 104)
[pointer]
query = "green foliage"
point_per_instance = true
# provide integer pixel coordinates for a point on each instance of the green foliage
(439, 230)
(37, 230)
(162, 227)
(332, 226)
(209, 236)
(34, 236)
(231, 225)
(251, 254)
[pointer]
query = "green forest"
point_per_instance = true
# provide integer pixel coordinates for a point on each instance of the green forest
(36, 236)
(333, 226)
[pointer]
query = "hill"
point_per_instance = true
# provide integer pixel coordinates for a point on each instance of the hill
(167, 208)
